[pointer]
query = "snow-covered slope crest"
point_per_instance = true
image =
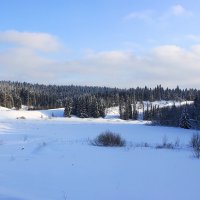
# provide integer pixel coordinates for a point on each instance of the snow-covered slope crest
(4, 109)
(113, 112)
(163, 103)
(6, 113)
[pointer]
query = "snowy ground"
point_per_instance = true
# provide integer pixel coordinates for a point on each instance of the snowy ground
(49, 158)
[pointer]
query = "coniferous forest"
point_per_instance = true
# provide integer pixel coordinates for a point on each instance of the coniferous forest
(85, 101)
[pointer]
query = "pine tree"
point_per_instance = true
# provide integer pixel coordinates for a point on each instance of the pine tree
(102, 109)
(196, 111)
(2, 99)
(147, 113)
(185, 121)
(68, 107)
(134, 112)
(122, 111)
(81, 107)
(17, 102)
(94, 108)
(125, 110)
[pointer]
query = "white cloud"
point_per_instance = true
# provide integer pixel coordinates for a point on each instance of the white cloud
(22, 59)
(24, 64)
(38, 41)
(144, 15)
(195, 38)
(156, 17)
(196, 49)
(178, 10)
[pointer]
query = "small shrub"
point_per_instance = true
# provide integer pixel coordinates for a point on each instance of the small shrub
(22, 117)
(165, 144)
(143, 144)
(109, 138)
(177, 142)
(40, 146)
(195, 144)
(25, 138)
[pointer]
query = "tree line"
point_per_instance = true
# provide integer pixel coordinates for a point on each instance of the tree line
(86, 101)
(38, 96)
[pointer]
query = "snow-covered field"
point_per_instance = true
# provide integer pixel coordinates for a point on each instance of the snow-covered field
(49, 158)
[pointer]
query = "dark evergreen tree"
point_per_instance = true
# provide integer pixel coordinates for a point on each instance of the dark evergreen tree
(185, 120)
(9, 103)
(59, 103)
(68, 107)
(94, 108)
(196, 111)
(17, 102)
(82, 111)
(102, 108)
(2, 99)
(134, 111)
(125, 110)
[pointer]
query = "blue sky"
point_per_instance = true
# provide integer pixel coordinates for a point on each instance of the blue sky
(122, 43)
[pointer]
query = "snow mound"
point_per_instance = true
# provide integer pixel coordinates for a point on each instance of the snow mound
(30, 114)
(4, 109)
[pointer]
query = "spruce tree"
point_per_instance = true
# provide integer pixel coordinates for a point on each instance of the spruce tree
(185, 121)
(68, 107)
(94, 108)
(17, 102)
(82, 110)
(134, 112)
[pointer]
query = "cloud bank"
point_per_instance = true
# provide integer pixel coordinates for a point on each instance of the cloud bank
(169, 65)
(153, 16)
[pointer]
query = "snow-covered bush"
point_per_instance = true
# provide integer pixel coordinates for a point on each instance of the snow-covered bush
(195, 143)
(109, 138)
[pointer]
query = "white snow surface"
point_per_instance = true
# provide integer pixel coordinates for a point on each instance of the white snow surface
(51, 158)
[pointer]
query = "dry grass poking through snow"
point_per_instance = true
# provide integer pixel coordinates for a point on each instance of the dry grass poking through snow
(195, 144)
